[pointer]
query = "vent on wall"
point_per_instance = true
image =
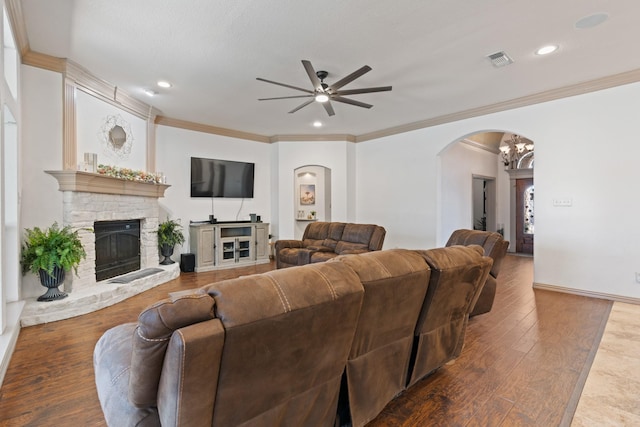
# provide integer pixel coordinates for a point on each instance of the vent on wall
(500, 59)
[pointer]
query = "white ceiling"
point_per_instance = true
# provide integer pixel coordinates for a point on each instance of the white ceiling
(433, 53)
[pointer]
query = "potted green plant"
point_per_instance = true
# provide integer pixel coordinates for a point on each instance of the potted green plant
(50, 253)
(169, 235)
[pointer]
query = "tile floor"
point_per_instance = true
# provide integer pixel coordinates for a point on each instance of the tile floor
(611, 394)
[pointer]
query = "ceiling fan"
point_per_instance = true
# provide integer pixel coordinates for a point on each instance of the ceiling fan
(324, 93)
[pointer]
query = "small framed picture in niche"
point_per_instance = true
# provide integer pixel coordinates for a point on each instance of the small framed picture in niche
(307, 194)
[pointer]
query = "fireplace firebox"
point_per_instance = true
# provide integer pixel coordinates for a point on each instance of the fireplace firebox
(117, 248)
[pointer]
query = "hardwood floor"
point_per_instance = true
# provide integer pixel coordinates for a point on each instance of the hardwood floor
(522, 364)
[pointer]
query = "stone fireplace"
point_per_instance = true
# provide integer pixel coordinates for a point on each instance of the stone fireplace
(89, 198)
(81, 210)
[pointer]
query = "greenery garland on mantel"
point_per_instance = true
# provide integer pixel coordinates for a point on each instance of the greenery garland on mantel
(130, 174)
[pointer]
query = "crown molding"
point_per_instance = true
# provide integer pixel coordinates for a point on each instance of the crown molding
(302, 137)
(16, 18)
(620, 79)
(90, 83)
(199, 127)
(479, 145)
(46, 62)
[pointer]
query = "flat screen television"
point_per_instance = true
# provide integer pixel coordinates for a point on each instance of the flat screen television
(221, 178)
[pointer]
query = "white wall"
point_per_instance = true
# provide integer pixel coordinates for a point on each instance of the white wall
(291, 155)
(586, 149)
(458, 163)
(91, 115)
(41, 149)
(397, 187)
(174, 149)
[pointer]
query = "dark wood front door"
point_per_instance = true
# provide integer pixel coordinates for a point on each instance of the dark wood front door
(524, 215)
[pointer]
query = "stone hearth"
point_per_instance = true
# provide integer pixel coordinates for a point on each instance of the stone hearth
(88, 198)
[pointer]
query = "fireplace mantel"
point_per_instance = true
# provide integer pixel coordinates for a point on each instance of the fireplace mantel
(71, 180)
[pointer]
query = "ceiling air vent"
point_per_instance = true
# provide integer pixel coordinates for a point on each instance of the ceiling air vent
(500, 59)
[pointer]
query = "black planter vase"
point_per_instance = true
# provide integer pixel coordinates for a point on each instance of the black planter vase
(166, 251)
(52, 283)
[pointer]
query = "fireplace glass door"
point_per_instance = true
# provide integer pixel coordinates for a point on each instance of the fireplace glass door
(117, 248)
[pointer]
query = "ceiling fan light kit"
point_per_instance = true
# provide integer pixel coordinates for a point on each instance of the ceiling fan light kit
(324, 93)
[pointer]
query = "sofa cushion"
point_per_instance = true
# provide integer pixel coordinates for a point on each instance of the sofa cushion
(336, 229)
(358, 233)
(322, 256)
(316, 231)
(344, 248)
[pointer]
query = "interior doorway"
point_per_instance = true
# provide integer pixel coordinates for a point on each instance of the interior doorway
(484, 203)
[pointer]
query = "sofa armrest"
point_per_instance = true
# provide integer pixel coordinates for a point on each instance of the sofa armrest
(281, 244)
(112, 367)
(304, 256)
(188, 385)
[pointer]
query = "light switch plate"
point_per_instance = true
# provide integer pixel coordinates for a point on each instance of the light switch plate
(564, 202)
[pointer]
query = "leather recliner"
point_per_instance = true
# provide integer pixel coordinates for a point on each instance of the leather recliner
(457, 276)
(495, 247)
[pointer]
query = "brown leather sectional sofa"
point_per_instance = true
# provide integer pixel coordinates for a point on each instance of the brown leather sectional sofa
(322, 241)
(273, 349)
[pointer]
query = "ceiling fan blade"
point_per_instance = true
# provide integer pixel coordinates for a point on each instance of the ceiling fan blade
(351, 77)
(351, 101)
(329, 108)
(285, 97)
(283, 84)
(302, 106)
(315, 81)
(364, 90)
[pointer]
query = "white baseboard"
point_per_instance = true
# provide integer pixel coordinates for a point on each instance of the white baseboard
(10, 335)
(599, 295)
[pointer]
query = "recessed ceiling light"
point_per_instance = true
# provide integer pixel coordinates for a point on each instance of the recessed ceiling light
(150, 92)
(545, 50)
(164, 84)
(591, 20)
(317, 124)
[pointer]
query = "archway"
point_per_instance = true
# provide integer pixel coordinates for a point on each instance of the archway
(476, 170)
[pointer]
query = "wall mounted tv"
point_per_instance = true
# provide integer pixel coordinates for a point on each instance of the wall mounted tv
(221, 178)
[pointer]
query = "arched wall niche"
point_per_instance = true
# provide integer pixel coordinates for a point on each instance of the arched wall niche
(312, 196)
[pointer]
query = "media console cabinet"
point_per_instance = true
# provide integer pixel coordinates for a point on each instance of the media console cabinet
(229, 244)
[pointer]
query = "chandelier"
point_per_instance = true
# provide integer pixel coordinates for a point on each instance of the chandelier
(517, 152)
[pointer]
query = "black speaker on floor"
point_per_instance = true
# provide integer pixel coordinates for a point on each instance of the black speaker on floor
(187, 262)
